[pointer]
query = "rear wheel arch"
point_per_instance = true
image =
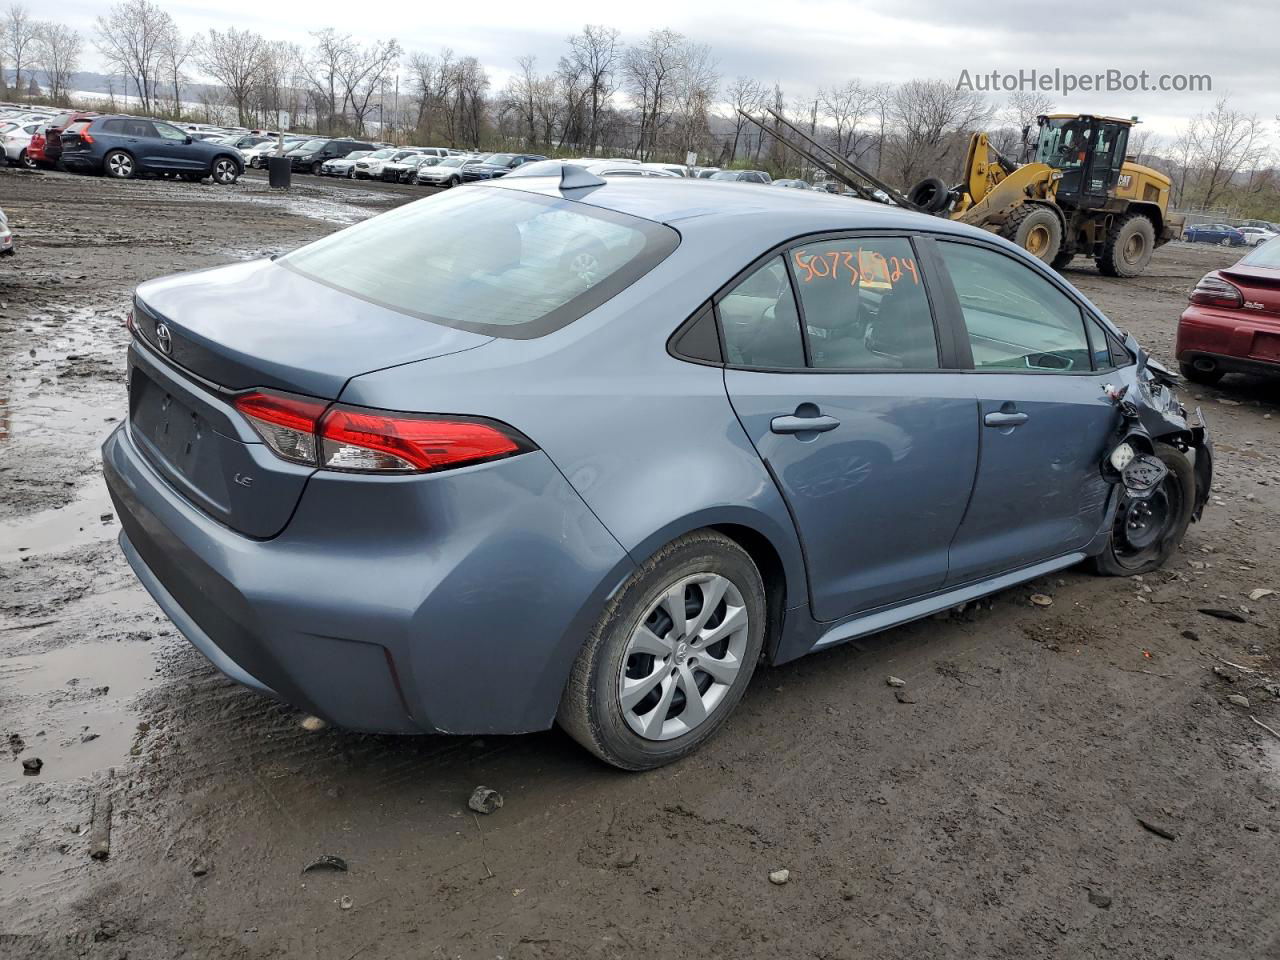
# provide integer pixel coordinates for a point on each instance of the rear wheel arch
(772, 571)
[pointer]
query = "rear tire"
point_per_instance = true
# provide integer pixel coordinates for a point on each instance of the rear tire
(119, 165)
(625, 700)
(1156, 526)
(1128, 247)
(24, 160)
(1037, 229)
(1207, 377)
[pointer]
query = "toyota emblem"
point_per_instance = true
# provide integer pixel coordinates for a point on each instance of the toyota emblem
(164, 339)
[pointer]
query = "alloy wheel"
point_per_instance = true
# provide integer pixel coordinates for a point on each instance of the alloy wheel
(224, 171)
(683, 657)
(120, 165)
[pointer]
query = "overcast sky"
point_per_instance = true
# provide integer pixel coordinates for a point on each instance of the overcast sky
(804, 44)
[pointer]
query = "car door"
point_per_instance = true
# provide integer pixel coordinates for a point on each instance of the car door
(1045, 415)
(838, 374)
(178, 153)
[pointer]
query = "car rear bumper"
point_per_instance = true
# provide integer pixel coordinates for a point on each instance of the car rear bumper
(453, 602)
(1231, 338)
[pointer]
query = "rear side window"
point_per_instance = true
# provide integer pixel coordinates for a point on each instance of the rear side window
(499, 262)
(759, 321)
(864, 305)
(1016, 319)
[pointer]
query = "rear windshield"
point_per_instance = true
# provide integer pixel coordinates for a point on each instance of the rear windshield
(1266, 255)
(494, 261)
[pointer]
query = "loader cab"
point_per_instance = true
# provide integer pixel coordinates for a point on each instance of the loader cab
(1088, 151)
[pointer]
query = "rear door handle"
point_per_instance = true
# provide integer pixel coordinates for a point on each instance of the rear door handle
(1005, 419)
(789, 424)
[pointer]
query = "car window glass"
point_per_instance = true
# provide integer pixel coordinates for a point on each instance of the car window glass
(758, 317)
(170, 133)
(1099, 344)
(139, 128)
(492, 261)
(1016, 319)
(864, 305)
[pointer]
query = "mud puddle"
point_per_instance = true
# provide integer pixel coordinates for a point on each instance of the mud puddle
(76, 716)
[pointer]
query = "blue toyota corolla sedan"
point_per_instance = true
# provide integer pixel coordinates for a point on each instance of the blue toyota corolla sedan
(557, 449)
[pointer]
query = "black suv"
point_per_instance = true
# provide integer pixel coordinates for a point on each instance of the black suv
(311, 155)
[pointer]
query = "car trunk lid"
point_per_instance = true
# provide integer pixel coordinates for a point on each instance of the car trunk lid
(208, 336)
(1260, 288)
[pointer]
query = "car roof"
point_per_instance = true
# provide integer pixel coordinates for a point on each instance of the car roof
(699, 204)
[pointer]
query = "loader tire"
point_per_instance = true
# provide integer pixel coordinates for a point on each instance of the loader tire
(930, 195)
(1128, 247)
(1037, 229)
(1064, 257)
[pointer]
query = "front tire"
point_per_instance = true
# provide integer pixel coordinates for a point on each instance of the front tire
(671, 655)
(315, 168)
(1128, 247)
(224, 171)
(1036, 229)
(119, 165)
(24, 160)
(1147, 532)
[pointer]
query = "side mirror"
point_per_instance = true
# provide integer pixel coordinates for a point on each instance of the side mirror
(187, 139)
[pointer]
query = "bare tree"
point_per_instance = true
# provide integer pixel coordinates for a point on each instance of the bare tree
(1223, 142)
(361, 72)
(175, 51)
(745, 95)
(57, 53)
(882, 95)
(18, 32)
(237, 60)
(651, 68)
(323, 69)
(846, 107)
(1018, 119)
(431, 81)
(693, 91)
(594, 53)
(932, 120)
(131, 38)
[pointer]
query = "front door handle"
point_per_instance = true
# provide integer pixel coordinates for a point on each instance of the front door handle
(1002, 419)
(816, 424)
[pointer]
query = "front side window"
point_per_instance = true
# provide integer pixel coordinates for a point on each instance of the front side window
(1016, 319)
(170, 133)
(865, 307)
(759, 321)
(498, 262)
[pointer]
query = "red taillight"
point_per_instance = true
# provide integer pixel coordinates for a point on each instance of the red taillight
(1213, 291)
(286, 423)
(357, 439)
(129, 324)
(85, 137)
(373, 441)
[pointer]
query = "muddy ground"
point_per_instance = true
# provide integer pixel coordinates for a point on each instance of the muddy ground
(995, 814)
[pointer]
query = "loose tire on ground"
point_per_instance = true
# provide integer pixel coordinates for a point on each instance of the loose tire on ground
(616, 653)
(1171, 504)
(1036, 229)
(1128, 247)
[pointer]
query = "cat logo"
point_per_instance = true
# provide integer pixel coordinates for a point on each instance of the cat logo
(1125, 180)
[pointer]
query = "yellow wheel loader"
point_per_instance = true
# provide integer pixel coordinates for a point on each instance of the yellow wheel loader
(1076, 196)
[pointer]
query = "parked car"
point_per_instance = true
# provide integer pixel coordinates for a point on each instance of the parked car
(1264, 224)
(674, 169)
(704, 173)
(1253, 236)
(7, 248)
(1221, 233)
(310, 155)
(124, 147)
(497, 165)
(370, 167)
(53, 134)
(599, 168)
(446, 173)
(257, 156)
(1232, 320)
(343, 166)
(404, 171)
(460, 484)
(742, 176)
(15, 138)
(792, 184)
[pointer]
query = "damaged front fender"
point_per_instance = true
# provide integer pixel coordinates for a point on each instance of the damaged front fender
(1153, 413)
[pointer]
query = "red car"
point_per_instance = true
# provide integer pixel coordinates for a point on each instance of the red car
(35, 149)
(53, 134)
(1232, 324)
